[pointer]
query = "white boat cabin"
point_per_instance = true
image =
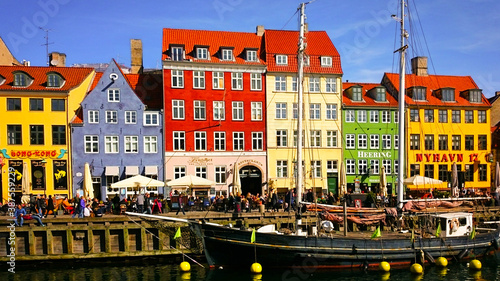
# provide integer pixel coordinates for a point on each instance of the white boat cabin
(454, 224)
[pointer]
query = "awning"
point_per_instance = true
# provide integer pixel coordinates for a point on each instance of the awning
(131, 170)
(112, 171)
(151, 170)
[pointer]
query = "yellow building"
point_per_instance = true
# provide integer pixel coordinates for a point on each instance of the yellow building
(322, 85)
(448, 122)
(36, 104)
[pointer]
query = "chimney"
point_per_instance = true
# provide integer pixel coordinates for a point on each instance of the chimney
(136, 56)
(260, 30)
(57, 59)
(497, 93)
(419, 66)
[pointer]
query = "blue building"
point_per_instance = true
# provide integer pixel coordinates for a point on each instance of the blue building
(118, 131)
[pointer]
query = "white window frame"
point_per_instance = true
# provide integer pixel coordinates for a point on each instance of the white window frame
(219, 111)
(131, 144)
(200, 141)
(280, 83)
(294, 84)
(177, 53)
(362, 141)
(218, 80)
(386, 141)
(256, 108)
(238, 141)
(316, 169)
(349, 116)
(238, 113)
(177, 78)
(350, 166)
(331, 138)
(331, 111)
(202, 53)
(374, 116)
(326, 61)
(179, 171)
(111, 144)
(237, 81)
(281, 168)
(387, 163)
(332, 166)
(281, 138)
(315, 138)
(350, 141)
(386, 116)
(281, 60)
(178, 110)
(374, 166)
(361, 116)
(93, 116)
(362, 166)
(374, 141)
(130, 117)
(315, 111)
(201, 172)
(257, 141)
(113, 95)
(219, 141)
(396, 141)
(251, 55)
(331, 85)
(199, 110)
(150, 144)
(198, 79)
(227, 54)
(255, 82)
(220, 174)
(151, 119)
(111, 117)
(314, 85)
(179, 140)
(91, 143)
(281, 110)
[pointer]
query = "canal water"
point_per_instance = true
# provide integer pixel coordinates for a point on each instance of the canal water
(155, 269)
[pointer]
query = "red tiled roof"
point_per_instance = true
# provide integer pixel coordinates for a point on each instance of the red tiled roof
(214, 40)
(97, 77)
(73, 76)
(368, 100)
(286, 42)
(433, 83)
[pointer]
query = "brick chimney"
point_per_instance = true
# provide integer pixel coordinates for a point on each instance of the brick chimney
(419, 66)
(57, 59)
(260, 30)
(136, 56)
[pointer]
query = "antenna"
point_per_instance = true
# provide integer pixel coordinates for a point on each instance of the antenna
(46, 43)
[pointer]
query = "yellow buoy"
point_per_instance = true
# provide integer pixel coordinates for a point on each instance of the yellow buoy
(256, 267)
(185, 266)
(442, 262)
(416, 268)
(475, 264)
(384, 266)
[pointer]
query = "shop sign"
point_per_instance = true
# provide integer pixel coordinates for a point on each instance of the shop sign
(365, 154)
(444, 157)
(16, 168)
(60, 175)
(37, 175)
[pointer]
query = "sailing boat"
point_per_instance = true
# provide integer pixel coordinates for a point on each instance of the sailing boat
(227, 246)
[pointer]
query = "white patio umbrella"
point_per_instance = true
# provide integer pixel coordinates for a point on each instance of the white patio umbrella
(420, 180)
(25, 185)
(88, 188)
(454, 180)
(236, 179)
(383, 181)
(497, 178)
(138, 180)
(342, 181)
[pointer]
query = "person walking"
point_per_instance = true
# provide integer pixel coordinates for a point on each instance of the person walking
(181, 205)
(50, 206)
(140, 203)
(76, 206)
(147, 204)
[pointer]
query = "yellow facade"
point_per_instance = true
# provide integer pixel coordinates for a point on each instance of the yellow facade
(284, 155)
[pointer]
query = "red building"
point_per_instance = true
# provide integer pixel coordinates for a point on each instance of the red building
(214, 101)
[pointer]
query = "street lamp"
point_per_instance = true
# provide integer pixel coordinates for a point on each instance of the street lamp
(44, 163)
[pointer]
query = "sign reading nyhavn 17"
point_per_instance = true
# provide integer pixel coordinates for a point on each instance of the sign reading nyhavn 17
(445, 157)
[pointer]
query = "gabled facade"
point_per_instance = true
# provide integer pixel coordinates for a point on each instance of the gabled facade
(369, 137)
(117, 133)
(322, 150)
(448, 121)
(36, 104)
(214, 100)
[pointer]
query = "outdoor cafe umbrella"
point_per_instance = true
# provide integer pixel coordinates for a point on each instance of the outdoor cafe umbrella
(25, 185)
(497, 178)
(88, 188)
(454, 180)
(343, 181)
(420, 180)
(383, 181)
(236, 179)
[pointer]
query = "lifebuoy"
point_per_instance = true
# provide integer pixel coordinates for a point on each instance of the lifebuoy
(454, 225)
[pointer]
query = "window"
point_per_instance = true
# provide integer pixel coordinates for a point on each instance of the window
(151, 119)
(130, 117)
(179, 138)
(362, 141)
(238, 110)
(113, 95)
(21, 80)
(219, 141)
(256, 108)
(177, 78)
(58, 105)
(331, 111)
(281, 168)
(469, 173)
(443, 116)
(350, 141)
(177, 109)
(202, 53)
(456, 141)
(429, 142)
(237, 81)
(315, 111)
(281, 138)
(91, 144)
(469, 142)
(238, 141)
(326, 61)
(255, 81)
(315, 138)
(331, 166)
(36, 134)
(111, 116)
(396, 166)
(294, 84)
(331, 138)
(54, 80)
(349, 116)
(220, 174)
(475, 96)
(448, 94)
(93, 116)
(374, 116)
(150, 144)
(396, 117)
(380, 94)
(331, 85)
(218, 80)
(227, 54)
(36, 104)
(443, 142)
(429, 171)
(177, 53)
(199, 79)
(374, 141)
(251, 55)
(414, 142)
(219, 110)
(429, 115)
(111, 144)
(350, 166)
(199, 110)
(131, 144)
(201, 172)
(481, 116)
(280, 83)
(386, 141)
(13, 104)
(357, 94)
(313, 84)
(362, 166)
(414, 170)
(396, 141)
(200, 141)
(179, 172)
(281, 110)
(281, 60)
(361, 116)
(295, 138)
(419, 93)
(257, 141)
(295, 111)
(414, 116)
(386, 163)
(455, 116)
(386, 116)
(469, 116)
(482, 168)
(14, 134)
(482, 142)
(58, 135)
(374, 166)
(316, 169)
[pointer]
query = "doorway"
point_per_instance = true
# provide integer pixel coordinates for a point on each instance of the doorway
(251, 180)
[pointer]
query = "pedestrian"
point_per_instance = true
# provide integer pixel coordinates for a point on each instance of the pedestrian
(181, 205)
(274, 201)
(140, 203)
(39, 205)
(82, 207)
(50, 206)
(19, 215)
(76, 206)
(147, 204)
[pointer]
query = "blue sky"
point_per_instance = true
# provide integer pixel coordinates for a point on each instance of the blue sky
(462, 36)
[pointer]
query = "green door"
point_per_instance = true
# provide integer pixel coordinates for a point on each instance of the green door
(333, 182)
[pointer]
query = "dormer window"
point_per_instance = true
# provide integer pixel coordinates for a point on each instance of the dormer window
(475, 96)
(418, 93)
(227, 54)
(177, 53)
(21, 79)
(202, 53)
(54, 80)
(326, 61)
(251, 55)
(356, 94)
(2, 79)
(380, 95)
(448, 94)
(281, 60)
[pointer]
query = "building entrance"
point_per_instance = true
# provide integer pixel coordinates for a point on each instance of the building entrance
(251, 180)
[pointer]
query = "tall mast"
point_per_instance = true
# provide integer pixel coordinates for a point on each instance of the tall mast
(402, 143)
(300, 74)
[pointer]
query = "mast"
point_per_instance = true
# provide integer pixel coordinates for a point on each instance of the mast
(300, 74)
(402, 144)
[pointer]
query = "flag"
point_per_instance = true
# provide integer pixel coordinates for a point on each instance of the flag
(438, 230)
(178, 233)
(376, 233)
(473, 233)
(252, 238)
